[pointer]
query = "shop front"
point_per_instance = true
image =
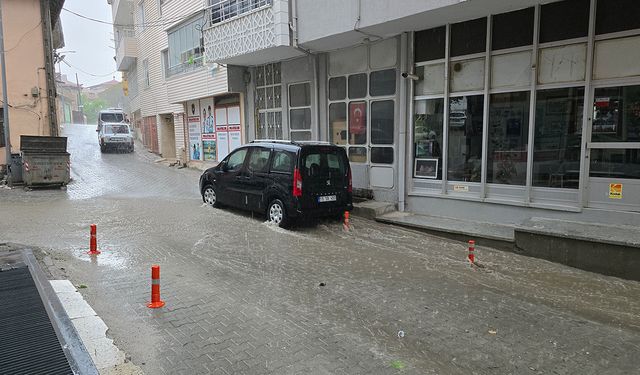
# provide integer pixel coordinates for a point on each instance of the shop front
(528, 108)
(214, 127)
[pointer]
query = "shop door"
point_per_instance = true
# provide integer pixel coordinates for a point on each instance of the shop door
(613, 153)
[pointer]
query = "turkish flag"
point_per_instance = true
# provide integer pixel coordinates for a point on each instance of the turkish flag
(358, 118)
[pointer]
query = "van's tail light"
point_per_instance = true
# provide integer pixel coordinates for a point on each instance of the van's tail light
(350, 186)
(297, 183)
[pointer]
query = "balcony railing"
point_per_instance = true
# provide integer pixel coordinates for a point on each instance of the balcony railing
(187, 66)
(222, 10)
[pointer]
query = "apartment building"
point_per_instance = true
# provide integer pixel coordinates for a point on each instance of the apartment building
(31, 31)
(485, 110)
(181, 107)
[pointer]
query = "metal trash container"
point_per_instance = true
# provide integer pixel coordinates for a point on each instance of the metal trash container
(15, 167)
(45, 160)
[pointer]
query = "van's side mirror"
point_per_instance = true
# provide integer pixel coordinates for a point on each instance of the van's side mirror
(97, 130)
(224, 167)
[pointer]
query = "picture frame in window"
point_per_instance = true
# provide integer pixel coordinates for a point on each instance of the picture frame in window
(426, 168)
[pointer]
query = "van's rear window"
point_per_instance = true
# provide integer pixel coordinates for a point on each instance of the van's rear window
(112, 117)
(324, 163)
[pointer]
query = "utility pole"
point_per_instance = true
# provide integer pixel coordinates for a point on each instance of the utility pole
(45, 12)
(80, 105)
(5, 101)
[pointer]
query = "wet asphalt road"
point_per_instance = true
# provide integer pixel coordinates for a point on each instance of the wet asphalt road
(245, 297)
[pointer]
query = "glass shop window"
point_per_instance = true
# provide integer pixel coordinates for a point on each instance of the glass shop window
(508, 138)
(469, 37)
(562, 20)
(465, 138)
(558, 137)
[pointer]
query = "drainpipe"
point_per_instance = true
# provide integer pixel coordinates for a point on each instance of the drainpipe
(402, 141)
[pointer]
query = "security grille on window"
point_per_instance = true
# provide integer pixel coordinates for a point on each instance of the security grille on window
(300, 111)
(222, 10)
(185, 51)
(268, 100)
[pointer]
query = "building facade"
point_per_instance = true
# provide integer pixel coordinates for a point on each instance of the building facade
(181, 107)
(483, 110)
(31, 30)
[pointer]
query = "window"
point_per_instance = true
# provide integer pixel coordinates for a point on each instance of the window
(337, 88)
(357, 86)
(558, 136)
(615, 163)
(513, 29)
(268, 99)
(282, 162)
(430, 44)
(427, 131)
(383, 82)
(185, 49)
(236, 160)
(616, 114)
(165, 62)
(508, 138)
(300, 111)
(338, 123)
(222, 10)
(469, 37)
(324, 164)
(465, 138)
(382, 120)
(358, 123)
(555, 14)
(382, 128)
(259, 160)
(141, 16)
(145, 73)
(111, 117)
(619, 15)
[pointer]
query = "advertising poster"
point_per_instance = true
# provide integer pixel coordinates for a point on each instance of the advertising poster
(207, 126)
(222, 132)
(235, 129)
(209, 147)
(193, 122)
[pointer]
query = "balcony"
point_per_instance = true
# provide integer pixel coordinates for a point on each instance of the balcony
(248, 32)
(126, 49)
(122, 12)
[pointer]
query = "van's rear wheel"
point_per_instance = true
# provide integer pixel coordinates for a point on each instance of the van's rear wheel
(277, 213)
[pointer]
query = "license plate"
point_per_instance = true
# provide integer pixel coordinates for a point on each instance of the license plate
(327, 198)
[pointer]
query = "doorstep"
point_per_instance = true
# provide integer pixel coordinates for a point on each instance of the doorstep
(201, 165)
(371, 209)
(485, 234)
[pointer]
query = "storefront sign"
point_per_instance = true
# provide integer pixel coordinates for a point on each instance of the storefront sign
(461, 188)
(615, 191)
(209, 146)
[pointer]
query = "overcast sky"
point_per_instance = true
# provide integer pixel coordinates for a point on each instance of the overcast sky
(91, 41)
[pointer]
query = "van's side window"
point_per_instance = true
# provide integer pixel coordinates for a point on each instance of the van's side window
(282, 162)
(236, 160)
(259, 160)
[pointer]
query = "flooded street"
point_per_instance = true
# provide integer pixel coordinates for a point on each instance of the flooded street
(243, 296)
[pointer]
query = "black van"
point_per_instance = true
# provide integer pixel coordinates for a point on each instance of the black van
(283, 179)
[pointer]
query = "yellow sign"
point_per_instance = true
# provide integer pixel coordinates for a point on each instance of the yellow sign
(615, 191)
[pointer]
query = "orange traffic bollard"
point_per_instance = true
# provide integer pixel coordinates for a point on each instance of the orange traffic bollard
(472, 248)
(156, 302)
(346, 226)
(93, 241)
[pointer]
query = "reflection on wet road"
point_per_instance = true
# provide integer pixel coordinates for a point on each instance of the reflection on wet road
(246, 297)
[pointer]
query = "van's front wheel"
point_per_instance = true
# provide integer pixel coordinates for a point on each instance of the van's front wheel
(277, 213)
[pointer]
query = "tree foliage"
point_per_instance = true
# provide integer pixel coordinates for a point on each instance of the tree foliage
(92, 107)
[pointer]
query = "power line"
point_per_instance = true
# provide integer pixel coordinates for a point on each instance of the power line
(87, 73)
(159, 23)
(22, 37)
